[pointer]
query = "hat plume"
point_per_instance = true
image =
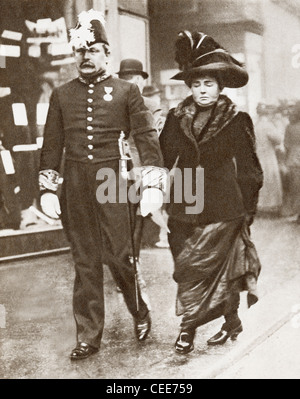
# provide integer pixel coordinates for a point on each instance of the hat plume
(85, 17)
(83, 32)
(183, 49)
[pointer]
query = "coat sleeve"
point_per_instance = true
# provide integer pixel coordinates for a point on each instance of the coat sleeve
(142, 130)
(168, 143)
(53, 145)
(249, 171)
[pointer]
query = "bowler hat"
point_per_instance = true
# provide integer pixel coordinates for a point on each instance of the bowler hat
(132, 66)
(151, 90)
(199, 54)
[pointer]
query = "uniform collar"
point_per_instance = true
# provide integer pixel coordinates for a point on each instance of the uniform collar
(94, 79)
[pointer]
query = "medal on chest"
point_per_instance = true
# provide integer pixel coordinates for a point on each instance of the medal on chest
(107, 96)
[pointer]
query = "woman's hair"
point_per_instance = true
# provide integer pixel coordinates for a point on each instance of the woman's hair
(214, 75)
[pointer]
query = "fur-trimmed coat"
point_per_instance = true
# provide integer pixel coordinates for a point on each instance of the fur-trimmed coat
(225, 149)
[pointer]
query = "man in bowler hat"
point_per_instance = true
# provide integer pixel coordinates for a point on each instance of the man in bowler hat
(86, 118)
(132, 71)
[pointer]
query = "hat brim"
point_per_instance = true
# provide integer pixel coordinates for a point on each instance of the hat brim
(232, 76)
(133, 72)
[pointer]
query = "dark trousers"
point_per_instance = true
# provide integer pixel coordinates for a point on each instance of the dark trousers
(99, 234)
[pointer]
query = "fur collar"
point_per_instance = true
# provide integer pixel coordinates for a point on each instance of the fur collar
(222, 114)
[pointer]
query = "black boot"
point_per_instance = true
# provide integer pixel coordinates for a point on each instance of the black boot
(185, 341)
(224, 334)
(82, 351)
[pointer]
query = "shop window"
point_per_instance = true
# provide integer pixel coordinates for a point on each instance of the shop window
(35, 57)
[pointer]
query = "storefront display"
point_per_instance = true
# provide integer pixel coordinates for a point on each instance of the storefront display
(36, 57)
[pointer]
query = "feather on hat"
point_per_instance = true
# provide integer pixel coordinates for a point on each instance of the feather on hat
(90, 29)
(197, 53)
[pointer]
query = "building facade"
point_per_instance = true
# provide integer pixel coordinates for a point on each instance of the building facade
(264, 34)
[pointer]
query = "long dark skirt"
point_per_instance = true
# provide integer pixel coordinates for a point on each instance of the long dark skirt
(213, 264)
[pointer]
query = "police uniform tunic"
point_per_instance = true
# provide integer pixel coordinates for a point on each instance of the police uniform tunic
(84, 122)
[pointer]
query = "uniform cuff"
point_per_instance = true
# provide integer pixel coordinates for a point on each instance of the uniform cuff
(48, 180)
(154, 177)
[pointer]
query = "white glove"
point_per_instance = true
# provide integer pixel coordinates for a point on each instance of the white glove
(152, 200)
(50, 205)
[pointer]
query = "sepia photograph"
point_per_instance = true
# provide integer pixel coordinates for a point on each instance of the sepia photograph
(149, 197)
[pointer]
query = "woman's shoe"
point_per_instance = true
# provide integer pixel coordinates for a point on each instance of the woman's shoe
(222, 336)
(185, 342)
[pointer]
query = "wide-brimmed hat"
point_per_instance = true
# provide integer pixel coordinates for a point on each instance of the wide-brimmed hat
(132, 66)
(151, 90)
(90, 29)
(199, 54)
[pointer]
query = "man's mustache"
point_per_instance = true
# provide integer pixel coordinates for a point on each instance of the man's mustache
(83, 64)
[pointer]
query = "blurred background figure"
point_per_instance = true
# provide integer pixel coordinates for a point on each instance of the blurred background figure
(153, 93)
(282, 120)
(292, 156)
(269, 142)
(132, 70)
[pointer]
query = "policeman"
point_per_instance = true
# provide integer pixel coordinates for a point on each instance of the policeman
(86, 118)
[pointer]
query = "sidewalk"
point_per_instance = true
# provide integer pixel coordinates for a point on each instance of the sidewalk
(38, 332)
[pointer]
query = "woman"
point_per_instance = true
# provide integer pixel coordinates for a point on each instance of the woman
(269, 141)
(292, 147)
(213, 255)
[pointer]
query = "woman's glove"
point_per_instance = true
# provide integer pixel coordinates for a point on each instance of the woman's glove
(50, 205)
